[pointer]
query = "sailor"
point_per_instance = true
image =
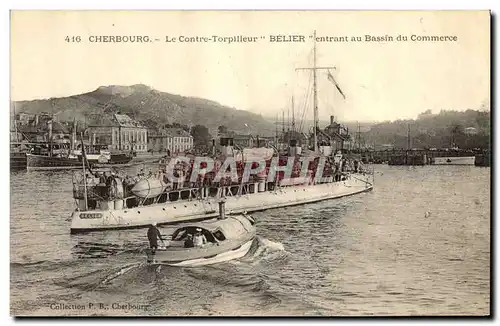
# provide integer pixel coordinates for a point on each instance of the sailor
(199, 239)
(188, 243)
(89, 178)
(102, 178)
(153, 236)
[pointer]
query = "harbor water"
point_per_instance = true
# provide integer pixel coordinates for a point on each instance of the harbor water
(418, 244)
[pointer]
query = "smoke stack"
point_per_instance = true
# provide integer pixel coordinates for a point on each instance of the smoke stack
(222, 209)
(332, 119)
(49, 124)
(73, 134)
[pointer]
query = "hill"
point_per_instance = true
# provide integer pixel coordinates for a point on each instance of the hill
(435, 130)
(151, 107)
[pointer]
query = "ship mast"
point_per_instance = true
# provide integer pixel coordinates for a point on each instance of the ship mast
(288, 121)
(15, 123)
(315, 95)
(314, 68)
(276, 136)
(283, 125)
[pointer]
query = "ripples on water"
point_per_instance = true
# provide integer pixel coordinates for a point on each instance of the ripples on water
(419, 243)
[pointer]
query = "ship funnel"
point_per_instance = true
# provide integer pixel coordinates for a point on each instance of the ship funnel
(227, 144)
(222, 209)
(49, 125)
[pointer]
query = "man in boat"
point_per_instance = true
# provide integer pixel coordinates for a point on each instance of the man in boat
(188, 243)
(199, 239)
(153, 236)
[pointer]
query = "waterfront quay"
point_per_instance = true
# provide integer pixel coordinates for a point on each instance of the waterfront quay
(422, 156)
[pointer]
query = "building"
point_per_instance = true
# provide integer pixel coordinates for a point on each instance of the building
(265, 141)
(25, 118)
(174, 140)
(244, 141)
(119, 132)
(42, 131)
(300, 137)
(470, 131)
(335, 134)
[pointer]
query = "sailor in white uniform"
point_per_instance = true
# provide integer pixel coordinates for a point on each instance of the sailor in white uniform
(199, 239)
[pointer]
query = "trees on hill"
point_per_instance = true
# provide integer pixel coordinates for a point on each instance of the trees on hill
(435, 130)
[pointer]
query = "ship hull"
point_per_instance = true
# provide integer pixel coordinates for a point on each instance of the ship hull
(193, 210)
(219, 258)
(41, 162)
(457, 160)
(115, 160)
(17, 161)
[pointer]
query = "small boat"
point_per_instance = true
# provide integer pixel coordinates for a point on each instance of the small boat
(105, 158)
(227, 238)
(51, 162)
(17, 158)
(454, 160)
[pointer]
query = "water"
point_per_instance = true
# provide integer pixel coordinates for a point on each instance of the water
(418, 244)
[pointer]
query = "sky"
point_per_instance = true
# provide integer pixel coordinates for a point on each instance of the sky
(381, 80)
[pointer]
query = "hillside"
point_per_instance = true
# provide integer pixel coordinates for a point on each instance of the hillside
(434, 130)
(151, 107)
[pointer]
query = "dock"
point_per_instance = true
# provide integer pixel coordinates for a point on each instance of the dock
(421, 156)
(483, 159)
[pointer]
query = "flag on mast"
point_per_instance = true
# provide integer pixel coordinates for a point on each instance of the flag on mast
(334, 82)
(84, 156)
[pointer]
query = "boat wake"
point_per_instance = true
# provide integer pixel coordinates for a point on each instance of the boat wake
(122, 271)
(91, 250)
(263, 251)
(247, 283)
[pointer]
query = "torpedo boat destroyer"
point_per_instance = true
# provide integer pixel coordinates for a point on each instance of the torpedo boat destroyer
(188, 189)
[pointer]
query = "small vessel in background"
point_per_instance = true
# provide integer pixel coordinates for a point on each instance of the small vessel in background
(456, 155)
(454, 160)
(56, 154)
(61, 153)
(100, 155)
(18, 149)
(17, 157)
(227, 238)
(52, 156)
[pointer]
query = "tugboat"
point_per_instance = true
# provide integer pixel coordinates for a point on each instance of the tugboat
(52, 156)
(60, 154)
(226, 238)
(56, 154)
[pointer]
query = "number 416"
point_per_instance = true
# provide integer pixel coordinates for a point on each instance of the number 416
(73, 39)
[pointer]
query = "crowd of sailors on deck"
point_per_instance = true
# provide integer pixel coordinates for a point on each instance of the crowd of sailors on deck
(105, 183)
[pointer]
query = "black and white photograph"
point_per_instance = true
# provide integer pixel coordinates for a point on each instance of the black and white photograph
(250, 163)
